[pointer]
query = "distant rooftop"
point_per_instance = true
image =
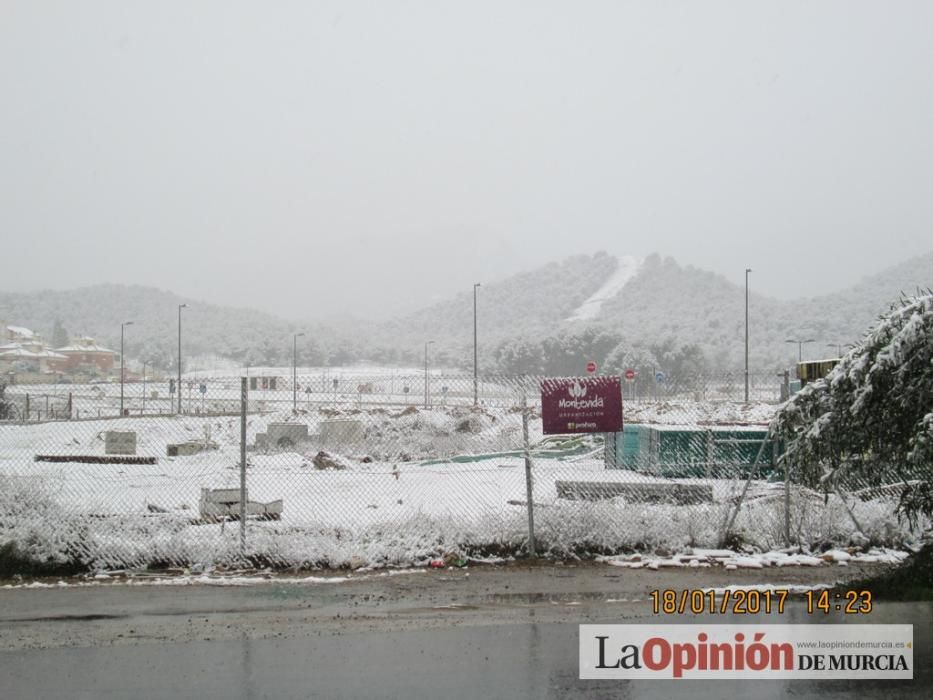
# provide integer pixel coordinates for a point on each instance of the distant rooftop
(19, 352)
(84, 344)
(21, 331)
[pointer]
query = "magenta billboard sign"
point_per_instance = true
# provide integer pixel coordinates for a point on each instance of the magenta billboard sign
(581, 405)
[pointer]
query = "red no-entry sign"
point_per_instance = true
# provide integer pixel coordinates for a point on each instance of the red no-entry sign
(630, 374)
(590, 367)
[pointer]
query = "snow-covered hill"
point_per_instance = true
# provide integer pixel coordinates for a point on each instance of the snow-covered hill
(653, 306)
(245, 335)
(583, 305)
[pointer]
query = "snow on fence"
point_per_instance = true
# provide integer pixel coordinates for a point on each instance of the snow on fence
(396, 470)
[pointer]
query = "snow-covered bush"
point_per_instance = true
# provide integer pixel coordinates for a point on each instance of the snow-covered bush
(870, 421)
(35, 531)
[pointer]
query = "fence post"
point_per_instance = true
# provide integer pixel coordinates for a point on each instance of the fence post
(731, 514)
(839, 492)
(244, 400)
(787, 503)
(610, 450)
(529, 490)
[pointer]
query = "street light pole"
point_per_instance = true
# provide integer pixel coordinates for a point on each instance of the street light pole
(838, 347)
(295, 372)
(122, 364)
(178, 386)
(747, 270)
(800, 344)
(144, 387)
(476, 285)
(430, 342)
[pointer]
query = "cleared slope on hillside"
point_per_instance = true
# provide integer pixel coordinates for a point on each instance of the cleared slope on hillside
(665, 300)
(590, 309)
(534, 301)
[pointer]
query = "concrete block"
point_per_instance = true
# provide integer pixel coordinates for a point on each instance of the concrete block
(120, 442)
(338, 432)
(648, 492)
(285, 434)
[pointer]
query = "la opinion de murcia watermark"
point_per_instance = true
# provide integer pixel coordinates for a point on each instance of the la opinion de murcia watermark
(746, 651)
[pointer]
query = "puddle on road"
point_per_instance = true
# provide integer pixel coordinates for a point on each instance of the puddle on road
(524, 660)
(541, 598)
(67, 618)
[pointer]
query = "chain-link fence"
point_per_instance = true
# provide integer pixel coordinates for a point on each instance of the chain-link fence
(381, 468)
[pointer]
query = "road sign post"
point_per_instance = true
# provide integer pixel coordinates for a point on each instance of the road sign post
(630, 375)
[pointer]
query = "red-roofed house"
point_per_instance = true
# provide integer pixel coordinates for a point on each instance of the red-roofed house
(85, 353)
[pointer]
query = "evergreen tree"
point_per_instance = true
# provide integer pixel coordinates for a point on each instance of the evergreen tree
(59, 334)
(628, 356)
(6, 409)
(871, 419)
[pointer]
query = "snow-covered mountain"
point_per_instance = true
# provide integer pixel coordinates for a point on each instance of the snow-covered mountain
(666, 300)
(530, 303)
(245, 335)
(648, 302)
(597, 306)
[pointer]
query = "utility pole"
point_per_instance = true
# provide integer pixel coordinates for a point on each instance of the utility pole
(122, 364)
(747, 270)
(800, 344)
(430, 342)
(475, 354)
(144, 387)
(295, 371)
(178, 386)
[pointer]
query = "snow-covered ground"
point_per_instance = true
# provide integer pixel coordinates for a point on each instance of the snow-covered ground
(420, 484)
(386, 390)
(345, 388)
(729, 559)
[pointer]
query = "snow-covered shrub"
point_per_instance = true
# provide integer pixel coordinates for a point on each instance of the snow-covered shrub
(870, 421)
(35, 532)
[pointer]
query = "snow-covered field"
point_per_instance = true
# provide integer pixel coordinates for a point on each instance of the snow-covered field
(711, 399)
(419, 484)
(344, 388)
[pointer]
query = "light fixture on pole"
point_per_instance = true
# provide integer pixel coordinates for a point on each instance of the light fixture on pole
(295, 337)
(178, 387)
(838, 347)
(476, 286)
(800, 344)
(122, 364)
(430, 342)
(747, 270)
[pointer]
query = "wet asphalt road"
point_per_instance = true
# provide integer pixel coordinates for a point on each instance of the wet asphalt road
(409, 637)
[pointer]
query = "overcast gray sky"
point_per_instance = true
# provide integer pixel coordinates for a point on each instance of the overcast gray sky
(317, 159)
